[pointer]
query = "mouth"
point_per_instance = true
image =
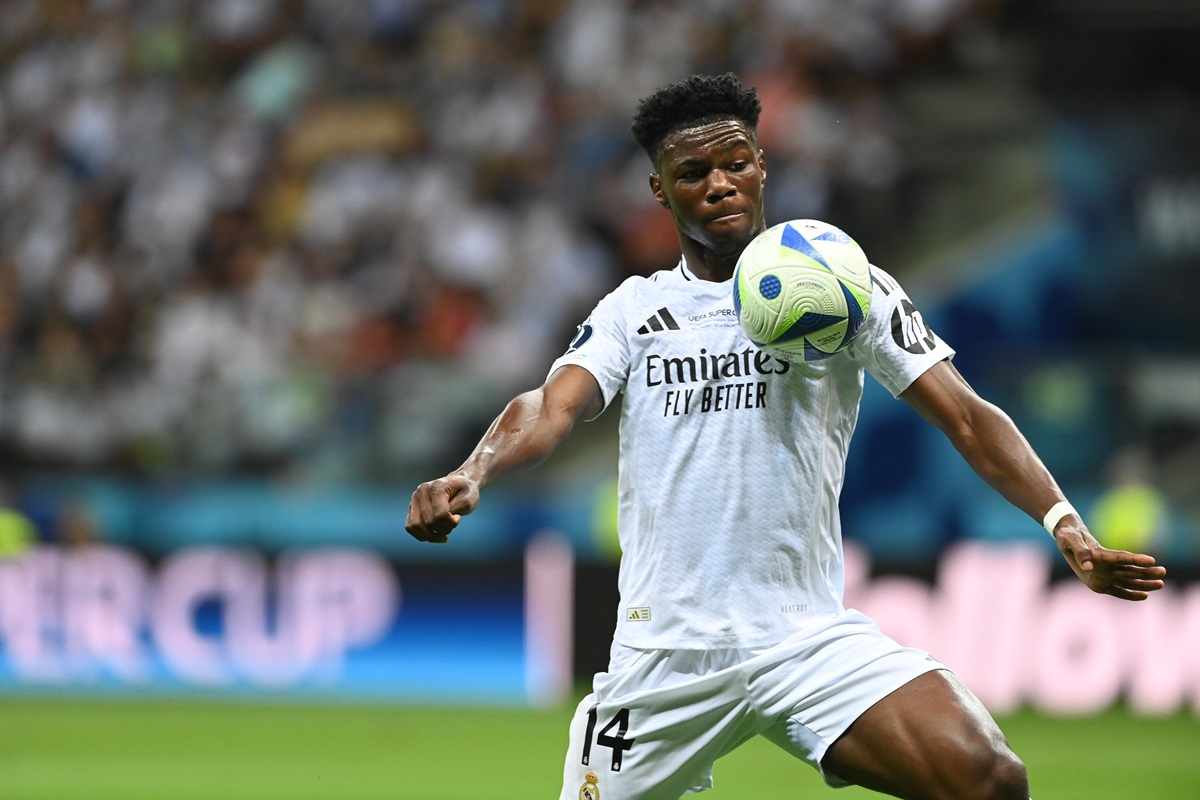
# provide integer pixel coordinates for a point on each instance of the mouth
(725, 218)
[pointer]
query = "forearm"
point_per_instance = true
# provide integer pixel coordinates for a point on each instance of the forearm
(987, 438)
(999, 453)
(525, 434)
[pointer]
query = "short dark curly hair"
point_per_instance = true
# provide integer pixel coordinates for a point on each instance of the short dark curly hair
(697, 100)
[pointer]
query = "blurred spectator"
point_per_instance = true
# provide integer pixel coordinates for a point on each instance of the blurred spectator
(252, 235)
(76, 526)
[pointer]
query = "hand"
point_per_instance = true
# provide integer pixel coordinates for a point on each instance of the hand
(1129, 576)
(437, 506)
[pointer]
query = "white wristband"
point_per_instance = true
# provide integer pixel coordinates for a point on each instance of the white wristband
(1055, 515)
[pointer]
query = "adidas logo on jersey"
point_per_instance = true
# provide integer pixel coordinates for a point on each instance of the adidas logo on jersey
(659, 322)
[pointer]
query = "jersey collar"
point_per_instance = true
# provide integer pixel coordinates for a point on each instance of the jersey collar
(687, 274)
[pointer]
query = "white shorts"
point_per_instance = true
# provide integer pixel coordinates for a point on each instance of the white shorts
(657, 720)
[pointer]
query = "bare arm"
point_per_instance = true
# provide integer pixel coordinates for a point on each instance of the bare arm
(529, 429)
(998, 452)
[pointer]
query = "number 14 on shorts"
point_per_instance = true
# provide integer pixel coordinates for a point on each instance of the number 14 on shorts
(617, 741)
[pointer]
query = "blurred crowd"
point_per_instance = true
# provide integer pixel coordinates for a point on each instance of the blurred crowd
(333, 236)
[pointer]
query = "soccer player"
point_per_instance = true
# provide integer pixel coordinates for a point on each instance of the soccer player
(731, 461)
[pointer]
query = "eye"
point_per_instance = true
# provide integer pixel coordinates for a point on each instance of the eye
(738, 166)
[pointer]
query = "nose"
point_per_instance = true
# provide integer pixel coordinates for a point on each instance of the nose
(719, 186)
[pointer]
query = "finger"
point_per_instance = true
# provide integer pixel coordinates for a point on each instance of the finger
(451, 499)
(1124, 557)
(415, 522)
(1140, 573)
(423, 517)
(1128, 588)
(439, 499)
(1079, 553)
(439, 530)
(445, 496)
(1126, 594)
(1140, 584)
(424, 500)
(460, 503)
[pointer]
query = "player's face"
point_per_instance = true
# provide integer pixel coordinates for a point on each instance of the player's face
(711, 178)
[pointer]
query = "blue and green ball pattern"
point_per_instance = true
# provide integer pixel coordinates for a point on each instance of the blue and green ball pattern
(802, 290)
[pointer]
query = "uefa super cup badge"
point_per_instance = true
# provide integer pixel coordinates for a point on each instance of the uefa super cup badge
(591, 787)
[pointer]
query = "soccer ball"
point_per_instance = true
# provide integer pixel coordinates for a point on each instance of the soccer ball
(802, 290)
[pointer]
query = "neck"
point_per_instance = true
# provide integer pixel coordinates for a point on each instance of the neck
(707, 265)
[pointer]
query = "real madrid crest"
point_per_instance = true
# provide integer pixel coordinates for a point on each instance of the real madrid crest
(591, 787)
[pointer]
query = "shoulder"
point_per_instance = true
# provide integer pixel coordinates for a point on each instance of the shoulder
(670, 277)
(889, 298)
(896, 344)
(884, 283)
(635, 287)
(658, 280)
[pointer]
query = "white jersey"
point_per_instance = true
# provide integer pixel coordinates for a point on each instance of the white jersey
(731, 460)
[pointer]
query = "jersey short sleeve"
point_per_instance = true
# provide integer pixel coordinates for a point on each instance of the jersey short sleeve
(600, 345)
(896, 346)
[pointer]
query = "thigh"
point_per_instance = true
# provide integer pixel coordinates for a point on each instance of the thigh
(656, 736)
(812, 687)
(930, 738)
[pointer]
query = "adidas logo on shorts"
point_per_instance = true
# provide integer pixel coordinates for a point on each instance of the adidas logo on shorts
(659, 322)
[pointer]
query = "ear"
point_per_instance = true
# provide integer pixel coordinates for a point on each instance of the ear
(659, 194)
(762, 167)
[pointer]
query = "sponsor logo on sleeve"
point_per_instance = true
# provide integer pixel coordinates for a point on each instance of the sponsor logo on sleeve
(909, 329)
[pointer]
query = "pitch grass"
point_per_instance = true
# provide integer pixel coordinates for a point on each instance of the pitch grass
(194, 750)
